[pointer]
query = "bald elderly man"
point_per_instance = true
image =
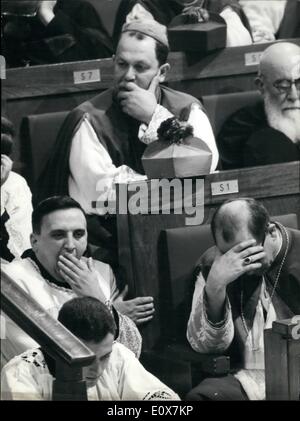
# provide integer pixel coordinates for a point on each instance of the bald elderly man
(269, 131)
(250, 278)
(103, 140)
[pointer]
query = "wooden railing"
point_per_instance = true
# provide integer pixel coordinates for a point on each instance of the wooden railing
(69, 353)
(62, 87)
(211, 73)
(282, 360)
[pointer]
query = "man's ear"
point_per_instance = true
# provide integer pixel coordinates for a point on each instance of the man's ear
(33, 242)
(259, 83)
(163, 71)
(272, 229)
(113, 57)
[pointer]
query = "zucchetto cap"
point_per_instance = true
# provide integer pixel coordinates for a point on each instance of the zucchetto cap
(149, 27)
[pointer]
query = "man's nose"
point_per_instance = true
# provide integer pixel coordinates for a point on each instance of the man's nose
(294, 93)
(69, 244)
(130, 74)
(96, 369)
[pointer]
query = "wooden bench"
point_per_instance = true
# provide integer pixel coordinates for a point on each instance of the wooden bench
(282, 360)
(38, 132)
(61, 87)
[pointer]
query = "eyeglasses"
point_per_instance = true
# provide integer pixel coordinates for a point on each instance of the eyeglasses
(285, 85)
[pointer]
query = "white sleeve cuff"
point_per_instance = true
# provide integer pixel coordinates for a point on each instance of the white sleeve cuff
(203, 335)
(148, 134)
(92, 173)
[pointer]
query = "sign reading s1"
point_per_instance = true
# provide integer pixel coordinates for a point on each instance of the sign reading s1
(224, 187)
(252, 59)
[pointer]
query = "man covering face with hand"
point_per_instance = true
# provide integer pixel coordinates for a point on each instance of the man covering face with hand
(55, 270)
(103, 140)
(248, 280)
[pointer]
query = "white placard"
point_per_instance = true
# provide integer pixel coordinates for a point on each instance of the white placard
(87, 76)
(252, 59)
(224, 187)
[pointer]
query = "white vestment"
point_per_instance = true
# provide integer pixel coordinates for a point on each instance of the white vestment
(51, 297)
(16, 201)
(27, 377)
(205, 337)
(91, 168)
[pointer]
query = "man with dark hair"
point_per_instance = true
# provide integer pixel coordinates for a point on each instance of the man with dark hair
(56, 31)
(87, 318)
(16, 204)
(55, 270)
(115, 374)
(102, 141)
(52, 204)
(249, 279)
(223, 223)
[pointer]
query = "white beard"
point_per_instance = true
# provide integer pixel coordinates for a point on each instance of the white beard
(287, 122)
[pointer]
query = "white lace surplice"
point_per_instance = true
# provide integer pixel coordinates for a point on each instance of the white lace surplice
(51, 297)
(27, 377)
(204, 336)
(16, 200)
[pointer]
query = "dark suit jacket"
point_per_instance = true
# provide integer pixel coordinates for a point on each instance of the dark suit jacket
(246, 139)
(76, 33)
(290, 25)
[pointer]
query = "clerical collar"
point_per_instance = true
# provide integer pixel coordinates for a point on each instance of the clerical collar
(45, 274)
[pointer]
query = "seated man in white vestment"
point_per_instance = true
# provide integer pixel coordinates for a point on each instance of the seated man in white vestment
(55, 270)
(102, 141)
(116, 374)
(16, 204)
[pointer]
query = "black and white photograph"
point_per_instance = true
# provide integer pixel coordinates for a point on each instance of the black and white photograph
(150, 203)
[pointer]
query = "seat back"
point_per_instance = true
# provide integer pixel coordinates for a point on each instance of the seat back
(182, 248)
(107, 11)
(220, 107)
(38, 134)
(289, 220)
